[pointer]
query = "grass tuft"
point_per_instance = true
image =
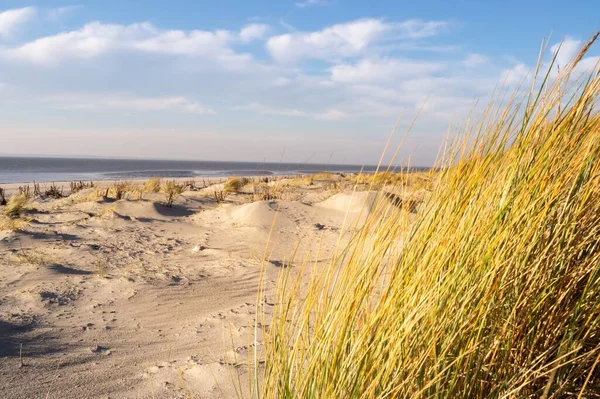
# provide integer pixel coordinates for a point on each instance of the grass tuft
(266, 192)
(152, 185)
(234, 184)
(172, 190)
(15, 205)
(12, 223)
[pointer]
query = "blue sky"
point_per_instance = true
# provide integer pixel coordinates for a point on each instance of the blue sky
(263, 80)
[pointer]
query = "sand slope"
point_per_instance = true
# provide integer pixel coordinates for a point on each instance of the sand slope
(131, 299)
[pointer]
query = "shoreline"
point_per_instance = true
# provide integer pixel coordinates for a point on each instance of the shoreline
(23, 170)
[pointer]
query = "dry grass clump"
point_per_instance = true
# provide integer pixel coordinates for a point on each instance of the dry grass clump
(266, 192)
(323, 176)
(80, 185)
(101, 267)
(108, 212)
(12, 223)
(54, 191)
(10, 219)
(15, 205)
(26, 191)
(235, 184)
(297, 181)
(219, 196)
(190, 185)
(172, 190)
(495, 291)
(333, 186)
(31, 257)
(120, 189)
(408, 179)
(88, 195)
(153, 185)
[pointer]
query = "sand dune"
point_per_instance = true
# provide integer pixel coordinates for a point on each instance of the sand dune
(132, 299)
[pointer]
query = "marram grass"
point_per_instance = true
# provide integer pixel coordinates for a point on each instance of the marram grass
(492, 292)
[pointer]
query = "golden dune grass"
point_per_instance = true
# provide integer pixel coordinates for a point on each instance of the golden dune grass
(15, 205)
(234, 184)
(494, 290)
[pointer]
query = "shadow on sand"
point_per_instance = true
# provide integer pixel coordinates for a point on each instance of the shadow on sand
(68, 270)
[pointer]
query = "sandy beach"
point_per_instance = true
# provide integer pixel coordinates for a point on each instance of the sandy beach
(130, 298)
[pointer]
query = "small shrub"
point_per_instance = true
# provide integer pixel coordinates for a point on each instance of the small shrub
(219, 196)
(25, 190)
(36, 190)
(80, 185)
(121, 188)
(264, 192)
(152, 185)
(15, 205)
(172, 190)
(54, 191)
(2, 197)
(234, 184)
(190, 184)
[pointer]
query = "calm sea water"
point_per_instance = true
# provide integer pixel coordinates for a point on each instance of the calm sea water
(29, 169)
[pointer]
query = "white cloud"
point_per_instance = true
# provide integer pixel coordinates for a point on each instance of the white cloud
(196, 42)
(10, 20)
(308, 3)
(90, 41)
(253, 32)
(587, 65)
(473, 60)
(565, 51)
(96, 39)
(382, 70)
(516, 75)
(348, 39)
(328, 114)
(126, 103)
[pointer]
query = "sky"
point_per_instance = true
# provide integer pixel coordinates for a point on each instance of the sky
(255, 80)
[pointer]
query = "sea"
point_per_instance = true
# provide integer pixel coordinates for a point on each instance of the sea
(49, 169)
